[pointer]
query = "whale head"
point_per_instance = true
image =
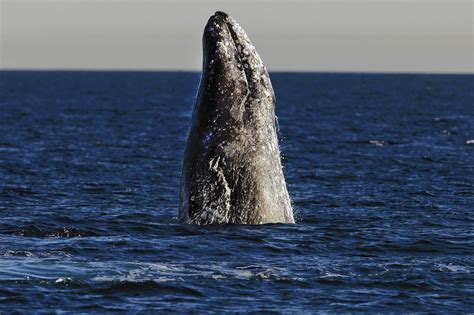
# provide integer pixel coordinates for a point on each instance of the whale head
(235, 84)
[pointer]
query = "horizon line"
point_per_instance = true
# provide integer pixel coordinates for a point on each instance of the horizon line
(199, 71)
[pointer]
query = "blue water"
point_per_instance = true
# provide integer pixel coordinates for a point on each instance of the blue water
(380, 169)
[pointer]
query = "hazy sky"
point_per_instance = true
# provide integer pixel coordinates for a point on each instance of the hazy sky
(336, 35)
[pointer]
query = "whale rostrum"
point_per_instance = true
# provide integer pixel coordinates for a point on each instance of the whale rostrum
(232, 169)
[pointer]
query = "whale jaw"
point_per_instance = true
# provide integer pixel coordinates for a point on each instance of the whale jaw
(232, 168)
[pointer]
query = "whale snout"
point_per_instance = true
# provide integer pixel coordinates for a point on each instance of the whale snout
(220, 14)
(225, 40)
(217, 28)
(228, 51)
(217, 38)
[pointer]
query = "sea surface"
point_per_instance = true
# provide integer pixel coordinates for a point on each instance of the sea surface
(380, 169)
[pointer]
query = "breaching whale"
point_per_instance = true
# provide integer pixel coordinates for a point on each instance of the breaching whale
(232, 169)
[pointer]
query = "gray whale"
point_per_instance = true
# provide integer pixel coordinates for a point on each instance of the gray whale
(232, 169)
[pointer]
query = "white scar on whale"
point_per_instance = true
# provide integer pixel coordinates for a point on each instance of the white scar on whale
(232, 170)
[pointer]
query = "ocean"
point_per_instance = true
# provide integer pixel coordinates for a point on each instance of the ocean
(379, 167)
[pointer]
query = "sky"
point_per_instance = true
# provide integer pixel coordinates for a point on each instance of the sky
(428, 36)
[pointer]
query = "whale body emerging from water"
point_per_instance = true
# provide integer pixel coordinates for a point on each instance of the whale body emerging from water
(232, 169)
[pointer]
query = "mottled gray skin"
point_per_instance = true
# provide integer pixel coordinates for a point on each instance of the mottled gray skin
(232, 169)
